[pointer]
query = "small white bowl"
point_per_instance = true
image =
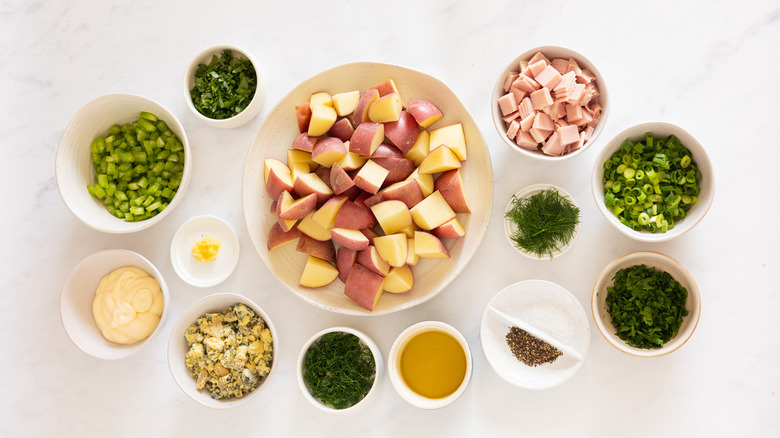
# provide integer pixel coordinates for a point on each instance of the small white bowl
(255, 105)
(78, 293)
(380, 370)
(177, 348)
(660, 262)
(548, 312)
(510, 227)
(204, 274)
(699, 155)
(394, 365)
(73, 163)
(550, 52)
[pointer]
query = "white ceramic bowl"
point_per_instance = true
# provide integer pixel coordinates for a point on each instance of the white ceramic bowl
(510, 228)
(204, 274)
(548, 312)
(699, 155)
(177, 348)
(78, 293)
(380, 370)
(255, 105)
(394, 365)
(274, 139)
(550, 52)
(73, 163)
(659, 262)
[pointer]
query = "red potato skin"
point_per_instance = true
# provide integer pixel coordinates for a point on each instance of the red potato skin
(403, 132)
(365, 258)
(345, 259)
(276, 185)
(303, 116)
(328, 144)
(304, 142)
(450, 184)
(324, 250)
(348, 243)
(362, 286)
(278, 237)
(302, 189)
(365, 136)
(399, 168)
(340, 180)
(299, 211)
(373, 200)
(386, 87)
(342, 129)
(360, 114)
(354, 215)
(370, 233)
(447, 230)
(324, 174)
(408, 192)
(424, 113)
(385, 150)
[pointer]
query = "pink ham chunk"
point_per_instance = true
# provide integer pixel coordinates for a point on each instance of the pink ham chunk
(526, 141)
(573, 113)
(568, 134)
(585, 77)
(572, 65)
(508, 104)
(519, 94)
(549, 77)
(526, 108)
(559, 64)
(527, 123)
(534, 69)
(553, 146)
(509, 79)
(525, 83)
(540, 135)
(538, 56)
(541, 98)
(543, 122)
(514, 127)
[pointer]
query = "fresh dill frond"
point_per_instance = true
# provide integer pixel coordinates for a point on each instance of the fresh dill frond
(545, 221)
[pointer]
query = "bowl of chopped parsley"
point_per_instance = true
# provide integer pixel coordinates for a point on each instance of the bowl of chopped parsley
(224, 86)
(653, 182)
(646, 304)
(340, 370)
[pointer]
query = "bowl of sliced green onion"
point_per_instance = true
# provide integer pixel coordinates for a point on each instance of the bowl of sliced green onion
(224, 86)
(653, 182)
(123, 163)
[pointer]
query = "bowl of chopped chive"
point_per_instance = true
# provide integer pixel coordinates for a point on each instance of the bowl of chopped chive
(653, 182)
(224, 86)
(340, 370)
(123, 163)
(542, 221)
(646, 304)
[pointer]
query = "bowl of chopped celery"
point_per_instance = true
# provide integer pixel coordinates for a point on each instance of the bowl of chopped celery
(224, 86)
(653, 182)
(646, 304)
(340, 370)
(123, 163)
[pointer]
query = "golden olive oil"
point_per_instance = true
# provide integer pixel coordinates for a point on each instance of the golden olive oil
(433, 364)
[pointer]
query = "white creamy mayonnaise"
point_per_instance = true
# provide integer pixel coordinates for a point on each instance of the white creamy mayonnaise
(128, 305)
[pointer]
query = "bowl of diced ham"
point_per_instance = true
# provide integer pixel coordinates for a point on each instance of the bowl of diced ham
(550, 103)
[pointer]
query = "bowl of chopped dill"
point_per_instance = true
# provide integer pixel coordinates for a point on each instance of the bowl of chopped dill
(542, 221)
(224, 86)
(646, 304)
(340, 370)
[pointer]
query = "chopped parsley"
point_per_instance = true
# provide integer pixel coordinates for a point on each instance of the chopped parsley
(646, 305)
(339, 370)
(224, 87)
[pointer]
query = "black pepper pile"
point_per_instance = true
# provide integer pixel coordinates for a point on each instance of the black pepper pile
(530, 350)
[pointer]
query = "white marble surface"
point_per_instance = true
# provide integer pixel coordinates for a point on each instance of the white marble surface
(708, 66)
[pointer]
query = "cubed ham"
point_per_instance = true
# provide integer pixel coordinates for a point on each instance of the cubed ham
(577, 91)
(568, 134)
(526, 141)
(564, 87)
(523, 82)
(540, 135)
(522, 65)
(585, 119)
(508, 104)
(509, 79)
(535, 68)
(541, 98)
(585, 77)
(543, 122)
(509, 117)
(572, 65)
(558, 109)
(559, 64)
(527, 123)
(519, 94)
(537, 56)
(553, 146)
(511, 132)
(594, 109)
(589, 132)
(526, 107)
(548, 78)
(573, 112)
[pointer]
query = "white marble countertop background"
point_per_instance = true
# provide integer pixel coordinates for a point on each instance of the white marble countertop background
(707, 66)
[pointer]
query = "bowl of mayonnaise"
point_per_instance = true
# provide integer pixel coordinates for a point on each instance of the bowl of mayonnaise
(113, 303)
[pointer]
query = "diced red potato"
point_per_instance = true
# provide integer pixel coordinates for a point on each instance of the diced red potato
(424, 113)
(303, 116)
(340, 181)
(343, 129)
(304, 142)
(364, 286)
(368, 98)
(318, 248)
(402, 132)
(549, 104)
(278, 237)
(345, 259)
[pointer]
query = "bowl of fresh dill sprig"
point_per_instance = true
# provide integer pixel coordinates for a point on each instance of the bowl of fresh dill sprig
(542, 221)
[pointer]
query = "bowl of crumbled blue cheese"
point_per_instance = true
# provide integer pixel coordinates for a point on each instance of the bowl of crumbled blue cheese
(222, 350)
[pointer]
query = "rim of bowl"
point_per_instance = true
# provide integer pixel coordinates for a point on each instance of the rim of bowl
(131, 349)
(378, 362)
(498, 91)
(394, 358)
(170, 119)
(254, 106)
(702, 161)
(509, 226)
(673, 344)
(182, 376)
